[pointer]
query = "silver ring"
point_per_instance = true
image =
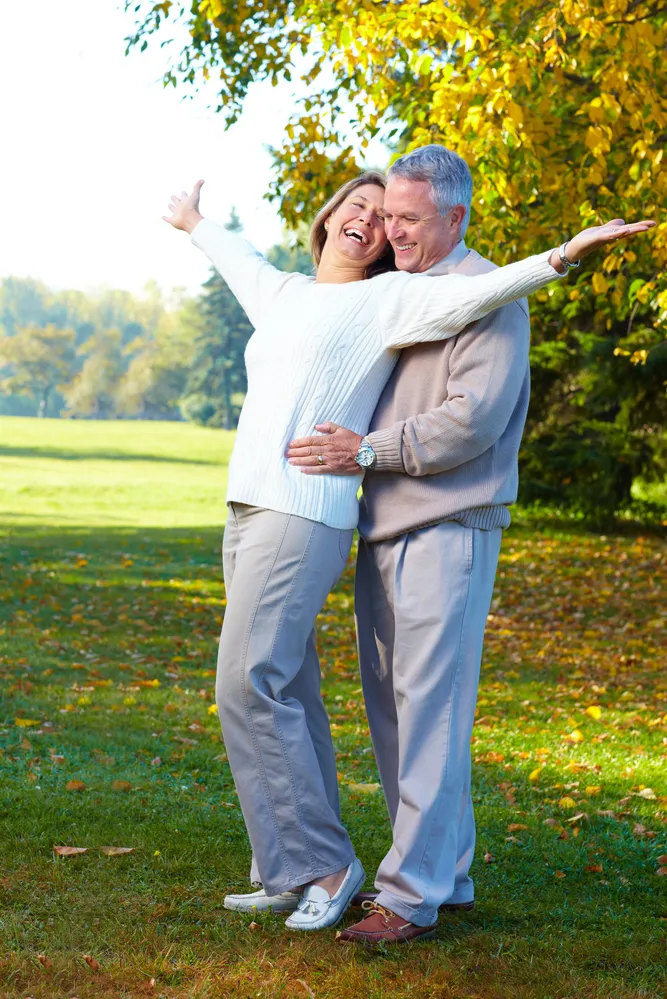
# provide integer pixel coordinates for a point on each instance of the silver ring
(320, 459)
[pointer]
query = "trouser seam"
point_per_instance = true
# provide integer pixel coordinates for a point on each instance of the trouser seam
(426, 904)
(269, 662)
(248, 711)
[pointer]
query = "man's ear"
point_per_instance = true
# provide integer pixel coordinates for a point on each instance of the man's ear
(457, 215)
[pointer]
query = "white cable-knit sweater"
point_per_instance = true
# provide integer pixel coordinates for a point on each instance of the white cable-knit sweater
(325, 351)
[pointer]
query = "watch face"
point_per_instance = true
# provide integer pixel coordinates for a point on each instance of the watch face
(366, 456)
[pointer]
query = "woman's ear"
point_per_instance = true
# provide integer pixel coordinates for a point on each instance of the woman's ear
(326, 224)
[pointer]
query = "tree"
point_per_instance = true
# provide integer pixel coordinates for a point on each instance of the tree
(92, 391)
(39, 360)
(560, 110)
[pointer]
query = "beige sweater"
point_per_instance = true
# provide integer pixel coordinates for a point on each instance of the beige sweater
(448, 425)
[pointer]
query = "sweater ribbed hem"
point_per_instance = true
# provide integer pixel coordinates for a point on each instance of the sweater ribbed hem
(387, 446)
(485, 518)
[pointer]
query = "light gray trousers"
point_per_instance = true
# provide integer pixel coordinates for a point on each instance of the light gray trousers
(278, 572)
(421, 603)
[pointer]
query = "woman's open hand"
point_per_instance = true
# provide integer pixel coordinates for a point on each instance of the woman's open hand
(184, 210)
(590, 239)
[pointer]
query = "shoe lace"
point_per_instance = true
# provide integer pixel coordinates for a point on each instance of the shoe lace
(371, 906)
(309, 907)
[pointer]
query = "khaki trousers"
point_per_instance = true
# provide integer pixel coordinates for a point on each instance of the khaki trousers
(278, 572)
(421, 604)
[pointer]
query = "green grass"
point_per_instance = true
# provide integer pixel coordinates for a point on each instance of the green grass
(111, 599)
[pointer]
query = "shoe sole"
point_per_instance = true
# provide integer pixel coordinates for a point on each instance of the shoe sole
(256, 910)
(328, 926)
(430, 935)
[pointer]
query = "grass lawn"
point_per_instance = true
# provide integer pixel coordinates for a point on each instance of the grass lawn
(111, 598)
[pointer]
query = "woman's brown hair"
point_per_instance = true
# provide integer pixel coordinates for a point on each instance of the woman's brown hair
(318, 232)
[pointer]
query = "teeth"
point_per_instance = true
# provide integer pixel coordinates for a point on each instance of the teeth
(406, 246)
(358, 234)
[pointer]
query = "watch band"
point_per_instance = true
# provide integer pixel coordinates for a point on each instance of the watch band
(567, 264)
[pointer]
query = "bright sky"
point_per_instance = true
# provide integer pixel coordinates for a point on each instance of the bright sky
(93, 145)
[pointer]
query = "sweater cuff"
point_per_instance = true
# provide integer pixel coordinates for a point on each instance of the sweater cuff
(387, 446)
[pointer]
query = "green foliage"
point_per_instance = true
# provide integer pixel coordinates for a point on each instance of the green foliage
(37, 360)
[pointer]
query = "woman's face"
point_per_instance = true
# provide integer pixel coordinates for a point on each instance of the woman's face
(355, 228)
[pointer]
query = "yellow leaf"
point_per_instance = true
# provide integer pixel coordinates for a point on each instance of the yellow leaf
(26, 722)
(576, 736)
(75, 785)
(600, 284)
(364, 788)
(213, 709)
(121, 785)
(116, 851)
(594, 789)
(594, 711)
(535, 774)
(567, 803)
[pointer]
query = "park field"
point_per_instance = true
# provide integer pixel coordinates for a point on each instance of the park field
(111, 598)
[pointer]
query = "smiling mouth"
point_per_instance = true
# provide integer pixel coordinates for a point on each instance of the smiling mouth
(402, 247)
(357, 236)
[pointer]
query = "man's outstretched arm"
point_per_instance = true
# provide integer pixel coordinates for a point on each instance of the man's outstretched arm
(487, 371)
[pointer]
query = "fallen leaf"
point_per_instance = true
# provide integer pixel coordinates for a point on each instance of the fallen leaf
(45, 961)
(516, 827)
(593, 868)
(69, 851)
(535, 774)
(26, 722)
(661, 872)
(606, 813)
(75, 785)
(116, 851)
(489, 858)
(593, 790)
(306, 987)
(594, 711)
(156, 761)
(91, 962)
(213, 709)
(641, 830)
(196, 727)
(253, 925)
(576, 818)
(364, 788)
(663, 859)
(559, 874)
(567, 803)
(551, 822)
(121, 785)
(575, 736)
(647, 792)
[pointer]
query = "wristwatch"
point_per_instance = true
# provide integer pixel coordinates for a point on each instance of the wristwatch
(569, 265)
(365, 456)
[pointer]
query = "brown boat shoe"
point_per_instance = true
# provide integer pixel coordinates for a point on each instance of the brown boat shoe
(370, 896)
(384, 926)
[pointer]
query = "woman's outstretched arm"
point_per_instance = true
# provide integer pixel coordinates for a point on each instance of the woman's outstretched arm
(252, 279)
(417, 308)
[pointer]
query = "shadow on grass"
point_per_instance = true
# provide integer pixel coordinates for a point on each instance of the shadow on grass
(103, 454)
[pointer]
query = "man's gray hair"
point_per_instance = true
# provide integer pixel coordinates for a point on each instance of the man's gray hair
(448, 175)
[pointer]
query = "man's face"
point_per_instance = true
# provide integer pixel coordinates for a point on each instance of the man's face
(419, 235)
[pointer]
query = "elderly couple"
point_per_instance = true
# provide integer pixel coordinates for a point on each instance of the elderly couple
(415, 349)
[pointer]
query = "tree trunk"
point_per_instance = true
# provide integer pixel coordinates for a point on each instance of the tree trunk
(43, 403)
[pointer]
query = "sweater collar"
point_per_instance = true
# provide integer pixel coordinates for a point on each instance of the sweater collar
(451, 261)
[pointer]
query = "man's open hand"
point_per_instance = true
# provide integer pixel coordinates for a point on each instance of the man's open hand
(335, 446)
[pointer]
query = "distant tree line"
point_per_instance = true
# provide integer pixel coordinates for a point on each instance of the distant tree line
(120, 356)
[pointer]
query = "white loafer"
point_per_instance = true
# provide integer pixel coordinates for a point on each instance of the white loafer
(259, 901)
(317, 910)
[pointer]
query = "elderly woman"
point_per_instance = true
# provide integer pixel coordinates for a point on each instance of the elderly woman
(323, 345)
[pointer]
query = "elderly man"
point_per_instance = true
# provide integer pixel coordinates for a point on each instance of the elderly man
(441, 472)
